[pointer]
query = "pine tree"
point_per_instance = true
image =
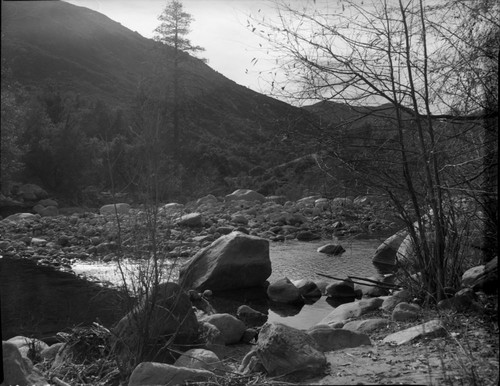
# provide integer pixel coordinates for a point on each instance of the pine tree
(172, 31)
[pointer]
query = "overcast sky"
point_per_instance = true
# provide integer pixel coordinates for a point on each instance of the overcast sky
(220, 26)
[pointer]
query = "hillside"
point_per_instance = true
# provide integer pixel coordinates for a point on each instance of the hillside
(80, 50)
(77, 51)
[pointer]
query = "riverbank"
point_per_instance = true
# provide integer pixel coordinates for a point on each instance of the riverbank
(466, 346)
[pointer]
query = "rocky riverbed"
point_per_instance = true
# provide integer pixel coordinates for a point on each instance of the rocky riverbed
(381, 338)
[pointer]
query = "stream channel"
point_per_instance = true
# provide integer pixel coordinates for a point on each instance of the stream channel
(40, 301)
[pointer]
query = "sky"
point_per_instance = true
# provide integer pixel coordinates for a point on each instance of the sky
(219, 26)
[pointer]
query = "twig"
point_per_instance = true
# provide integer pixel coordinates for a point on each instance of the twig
(376, 282)
(381, 285)
(58, 382)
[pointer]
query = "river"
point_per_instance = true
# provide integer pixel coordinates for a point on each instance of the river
(39, 301)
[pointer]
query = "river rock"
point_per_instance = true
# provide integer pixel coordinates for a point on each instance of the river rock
(347, 311)
(307, 288)
(331, 249)
(190, 220)
(32, 192)
(283, 350)
(153, 373)
(28, 347)
(111, 209)
(432, 328)
(49, 354)
(21, 216)
(251, 317)
(172, 316)
(398, 297)
(231, 328)
(307, 236)
(367, 325)
(199, 358)
(18, 370)
(48, 202)
(331, 339)
(386, 253)
(341, 289)
(171, 209)
(295, 219)
(373, 290)
(405, 312)
(276, 199)
(246, 195)
(238, 218)
(284, 291)
(482, 278)
(463, 300)
(232, 261)
(208, 200)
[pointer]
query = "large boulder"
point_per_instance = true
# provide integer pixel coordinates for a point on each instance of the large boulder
(18, 370)
(283, 350)
(330, 339)
(232, 261)
(231, 328)
(246, 195)
(171, 317)
(284, 291)
(347, 311)
(153, 373)
(386, 253)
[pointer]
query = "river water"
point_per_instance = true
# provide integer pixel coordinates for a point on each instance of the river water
(39, 301)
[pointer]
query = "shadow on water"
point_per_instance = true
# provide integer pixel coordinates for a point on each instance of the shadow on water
(39, 301)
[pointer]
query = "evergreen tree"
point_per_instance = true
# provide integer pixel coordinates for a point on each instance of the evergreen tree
(172, 31)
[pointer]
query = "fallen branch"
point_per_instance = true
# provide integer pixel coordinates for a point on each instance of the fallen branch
(379, 284)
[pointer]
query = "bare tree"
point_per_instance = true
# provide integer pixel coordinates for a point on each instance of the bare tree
(434, 74)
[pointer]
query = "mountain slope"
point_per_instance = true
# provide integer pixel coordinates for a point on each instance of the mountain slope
(79, 50)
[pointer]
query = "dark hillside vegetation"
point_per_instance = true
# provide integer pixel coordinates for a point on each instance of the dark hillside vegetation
(79, 81)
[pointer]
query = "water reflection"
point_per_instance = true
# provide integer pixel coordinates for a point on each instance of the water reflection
(335, 302)
(40, 301)
(285, 310)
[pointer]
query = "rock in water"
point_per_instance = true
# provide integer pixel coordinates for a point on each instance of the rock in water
(331, 249)
(232, 261)
(284, 291)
